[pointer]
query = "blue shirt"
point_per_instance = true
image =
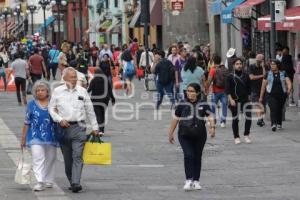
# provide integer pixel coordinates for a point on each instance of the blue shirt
(41, 127)
(53, 56)
(189, 77)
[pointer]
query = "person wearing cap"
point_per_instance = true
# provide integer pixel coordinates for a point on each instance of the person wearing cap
(257, 72)
(231, 56)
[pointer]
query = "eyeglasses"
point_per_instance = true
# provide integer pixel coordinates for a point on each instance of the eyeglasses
(191, 91)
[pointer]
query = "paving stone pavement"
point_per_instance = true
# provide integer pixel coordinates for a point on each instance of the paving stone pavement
(146, 167)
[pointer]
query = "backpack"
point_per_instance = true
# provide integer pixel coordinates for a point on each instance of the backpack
(167, 72)
(129, 69)
(220, 76)
(193, 124)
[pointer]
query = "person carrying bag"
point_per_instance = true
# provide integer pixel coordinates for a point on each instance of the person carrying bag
(96, 152)
(23, 171)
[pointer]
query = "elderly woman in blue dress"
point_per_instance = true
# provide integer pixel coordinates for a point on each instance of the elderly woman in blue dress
(38, 134)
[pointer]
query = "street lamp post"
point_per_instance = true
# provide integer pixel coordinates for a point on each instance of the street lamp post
(145, 19)
(17, 13)
(32, 8)
(4, 15)
(273, 29)
(58, 4)
(44, 4)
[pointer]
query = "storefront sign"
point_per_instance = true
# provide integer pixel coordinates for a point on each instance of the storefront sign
(243, 12)
(177, 5)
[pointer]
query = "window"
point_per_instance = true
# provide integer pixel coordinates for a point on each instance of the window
(116, 3)
(107, 4)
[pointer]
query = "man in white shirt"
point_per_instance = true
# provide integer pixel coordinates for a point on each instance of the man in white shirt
(104, 51)
(21, 72)
(71, 106)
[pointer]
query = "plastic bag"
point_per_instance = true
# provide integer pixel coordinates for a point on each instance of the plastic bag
(96, 152)
(23, 172)
(29, 87)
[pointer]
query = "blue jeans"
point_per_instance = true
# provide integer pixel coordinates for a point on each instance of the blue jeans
(216, 97)
(161, 89)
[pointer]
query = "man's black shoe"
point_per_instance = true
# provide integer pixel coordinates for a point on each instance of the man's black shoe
(76, 188)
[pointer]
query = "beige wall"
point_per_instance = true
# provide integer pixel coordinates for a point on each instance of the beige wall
(139, 34)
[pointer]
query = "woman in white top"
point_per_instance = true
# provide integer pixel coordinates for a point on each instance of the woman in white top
(62, 58)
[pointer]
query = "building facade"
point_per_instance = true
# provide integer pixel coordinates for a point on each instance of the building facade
(245, 25)
(188, 25)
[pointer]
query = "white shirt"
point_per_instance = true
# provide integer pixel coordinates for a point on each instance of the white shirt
(72, 105)
(103, 52)
(19, 67)
(143, 59)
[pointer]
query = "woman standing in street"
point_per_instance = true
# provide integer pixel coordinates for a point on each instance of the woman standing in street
(63, 57)
(192, 133)
(128, 71)
(278, 87)
(191, 73)
(101, 90)
(39, 135)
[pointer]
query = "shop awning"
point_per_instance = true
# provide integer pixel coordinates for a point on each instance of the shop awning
(216, 7)
(245, 9)
(156, 12)
(291, 22)
(49, 21)
(227, 16)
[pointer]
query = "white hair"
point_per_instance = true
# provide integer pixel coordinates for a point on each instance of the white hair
(66, 70)
(40, 83)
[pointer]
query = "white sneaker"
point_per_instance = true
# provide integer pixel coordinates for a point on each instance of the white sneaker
(247, 140)
(279, 127)
(196, 185)
(48, 185)
(188, 185)
(38, 187)
(223, 125)
(237, 141)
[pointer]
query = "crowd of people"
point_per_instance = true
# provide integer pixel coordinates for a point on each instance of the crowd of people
(196, 81)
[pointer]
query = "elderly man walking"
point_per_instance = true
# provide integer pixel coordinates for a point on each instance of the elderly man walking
(71, 106)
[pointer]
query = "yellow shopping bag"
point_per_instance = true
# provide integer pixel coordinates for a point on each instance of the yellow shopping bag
(97, 152)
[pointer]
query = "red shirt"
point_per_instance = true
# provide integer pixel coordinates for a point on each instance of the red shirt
(36, 64)
(116, 55)
(212, 74)
(134, 48)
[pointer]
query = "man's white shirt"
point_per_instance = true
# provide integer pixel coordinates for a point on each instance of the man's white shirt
(72, 105)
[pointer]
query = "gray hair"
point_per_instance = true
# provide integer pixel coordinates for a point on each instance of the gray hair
(66, 70)
(40, 83)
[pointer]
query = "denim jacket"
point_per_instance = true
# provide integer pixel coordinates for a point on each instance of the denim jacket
(270, 79)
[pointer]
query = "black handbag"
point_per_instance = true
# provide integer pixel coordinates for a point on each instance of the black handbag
(191, 126)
